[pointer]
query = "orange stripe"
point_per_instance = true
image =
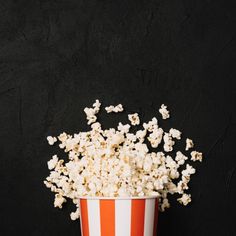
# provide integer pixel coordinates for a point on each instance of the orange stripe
(137, 217)
(107, 217)
(155, 218)
(84, 217)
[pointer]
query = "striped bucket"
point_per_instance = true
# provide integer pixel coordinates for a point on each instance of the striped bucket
(128, 216)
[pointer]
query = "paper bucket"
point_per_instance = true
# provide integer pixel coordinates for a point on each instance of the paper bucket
(127, 216)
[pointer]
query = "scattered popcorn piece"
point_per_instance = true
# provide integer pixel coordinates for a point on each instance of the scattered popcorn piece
(164, 112)
(182, 185)
(91, 112)
(118, 108)
(74, 215)
(109, 109)
(175, 133)
(189, 144)
(134, 119)
(140, 134)
(151, 125)
(196, 156)
(188, 171)
(123, 128)
(96, 106)
(59, 200)
(180, 158)
(96, 126)
(155, 137)
(62, 137)
(185, 199)
(168, 142)
(165, 204)
(53, 162)
(51, 140)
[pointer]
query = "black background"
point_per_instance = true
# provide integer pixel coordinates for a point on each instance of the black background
(59, 56)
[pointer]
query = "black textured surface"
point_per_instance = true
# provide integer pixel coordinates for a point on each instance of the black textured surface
(56, 57)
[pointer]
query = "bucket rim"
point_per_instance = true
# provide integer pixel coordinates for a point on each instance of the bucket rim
(118, 198)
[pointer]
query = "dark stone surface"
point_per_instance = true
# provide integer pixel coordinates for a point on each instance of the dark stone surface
(56, 57)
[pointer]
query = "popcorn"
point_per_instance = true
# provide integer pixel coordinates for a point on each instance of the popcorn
(158, 184)
(151, 125)
(171, 188)
(188, 171)
(62, 137)
(118, 108)
(123, 128)
(165, 204)
(180, 158)
(168, 142)
(189, 144)
(53, 162)
(175, 133)
(59, 200)
(147, 165)
(116, 162)
(140, 134)
(171, 163)
(155, 137)
(185, 199)
(91, 112)
(51, 140)
(196, 156)
(74, 215)
(117, 139)
(164, 112)
(182, 185)
(141, 148)
(134, 119)
(96, 126)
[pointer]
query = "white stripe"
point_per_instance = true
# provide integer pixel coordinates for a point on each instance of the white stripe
(94, 217)
(122, 217)
(81, 227)
(149, 217)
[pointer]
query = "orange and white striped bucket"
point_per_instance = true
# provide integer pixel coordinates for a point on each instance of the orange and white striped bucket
(128, 216)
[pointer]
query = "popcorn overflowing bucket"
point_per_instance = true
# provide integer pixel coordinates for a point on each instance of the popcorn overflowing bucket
(118, 216)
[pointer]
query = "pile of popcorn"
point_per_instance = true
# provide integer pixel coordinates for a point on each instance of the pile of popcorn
(116, 162)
